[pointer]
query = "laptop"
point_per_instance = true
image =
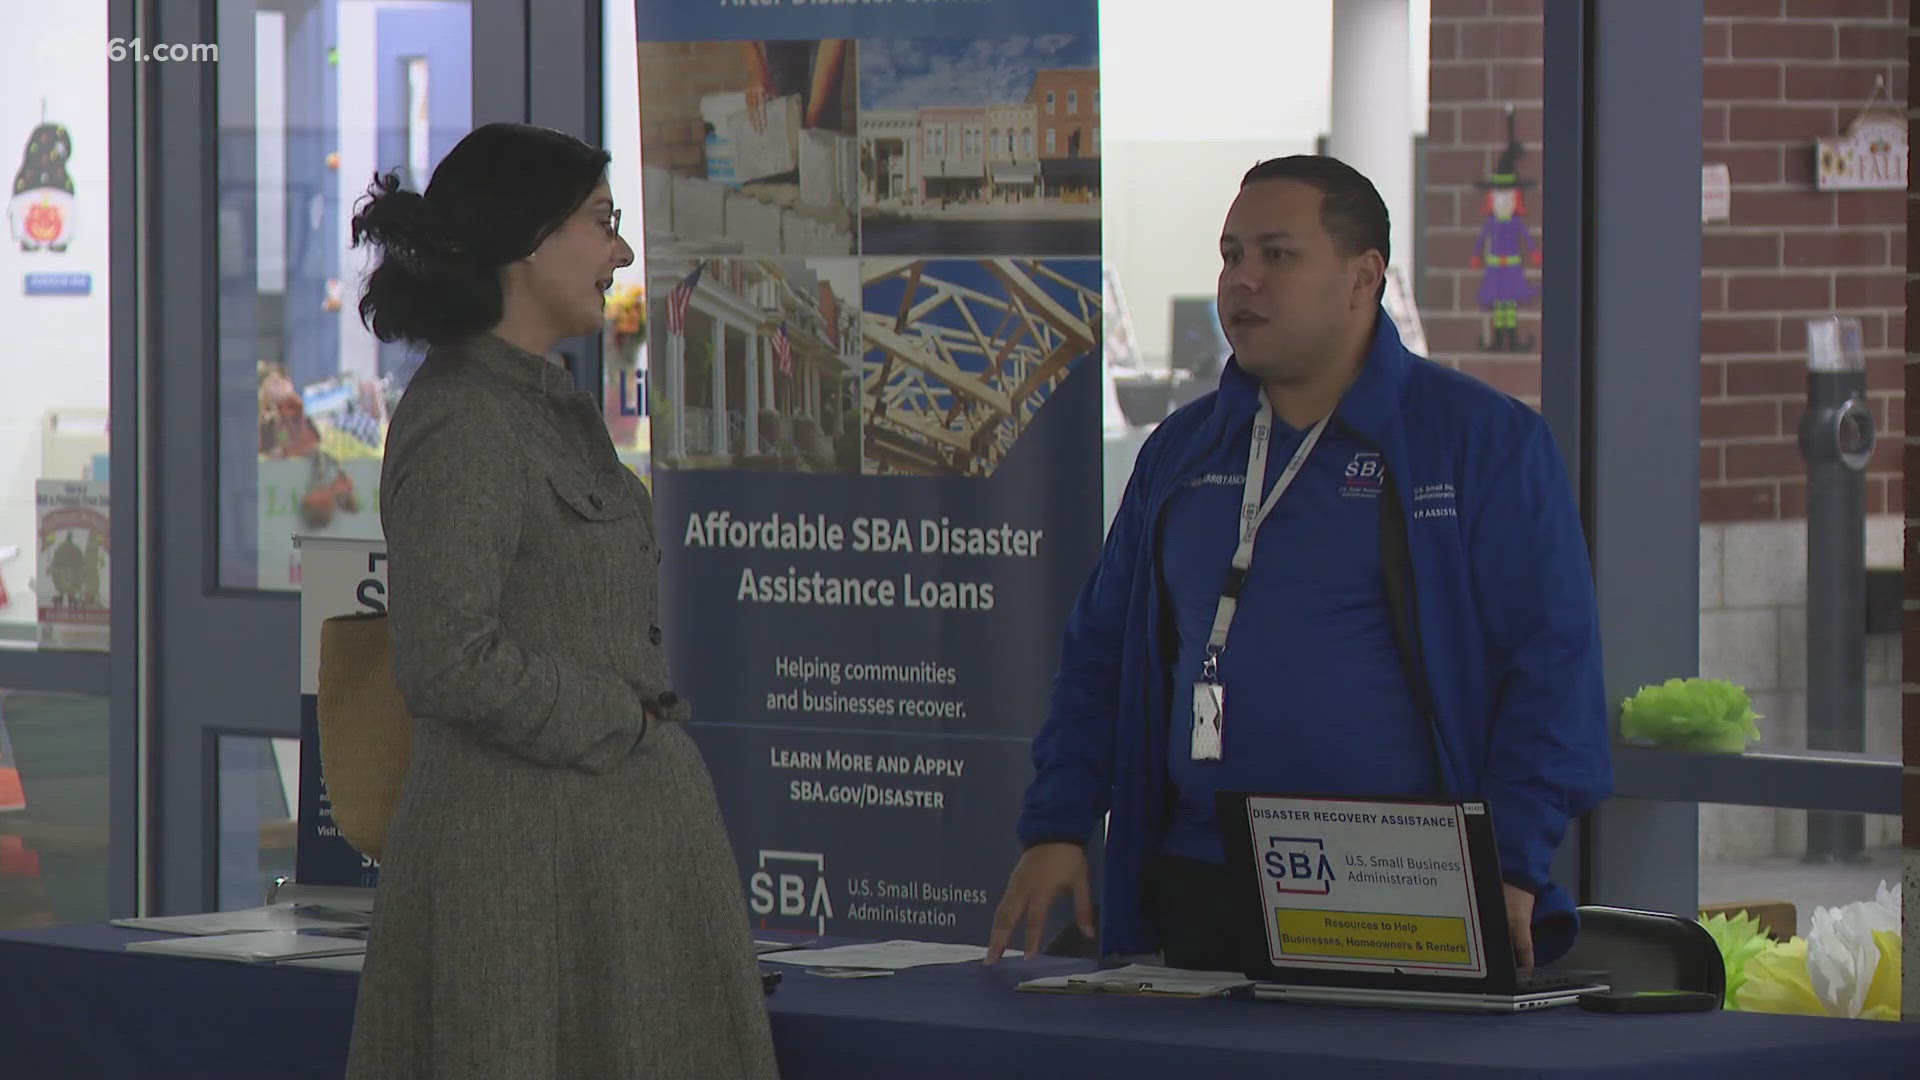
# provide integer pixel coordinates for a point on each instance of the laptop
(1393, 902)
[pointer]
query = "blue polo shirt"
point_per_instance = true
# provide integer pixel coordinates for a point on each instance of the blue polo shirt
(1316, 696)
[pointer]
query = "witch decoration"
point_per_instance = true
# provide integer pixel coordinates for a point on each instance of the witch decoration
(1504, 250)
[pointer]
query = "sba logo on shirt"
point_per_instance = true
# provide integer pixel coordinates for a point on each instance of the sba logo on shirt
(1365, 473)
(1299, 864)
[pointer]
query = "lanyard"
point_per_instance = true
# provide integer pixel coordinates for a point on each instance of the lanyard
(1252, 513)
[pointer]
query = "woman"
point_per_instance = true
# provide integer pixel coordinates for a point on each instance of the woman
(558, 896)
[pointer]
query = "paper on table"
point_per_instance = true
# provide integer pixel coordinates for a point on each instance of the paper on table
(249, 920)
(883, 955)
(347, 962)
(257, 947)
(339, 897)
(1144, 979)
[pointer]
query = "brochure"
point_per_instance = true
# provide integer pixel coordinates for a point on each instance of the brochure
(882, 955)
(287, 916)
(266, 945)
(348, 962)
(1143, 979)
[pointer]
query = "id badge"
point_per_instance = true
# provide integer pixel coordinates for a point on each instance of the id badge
(1209, 713)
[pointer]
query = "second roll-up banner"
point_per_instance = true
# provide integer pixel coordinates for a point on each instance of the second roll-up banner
(872, 244)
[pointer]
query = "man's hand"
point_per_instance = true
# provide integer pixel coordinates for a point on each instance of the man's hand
(1042, 875)
(1520, 925)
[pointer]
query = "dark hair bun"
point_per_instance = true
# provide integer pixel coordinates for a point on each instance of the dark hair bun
(406, 226)
(428, 287)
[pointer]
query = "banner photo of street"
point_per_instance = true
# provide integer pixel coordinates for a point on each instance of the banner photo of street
(758, 365)
(980, 147)
(749, 147)
(876, 477)
(961, 354)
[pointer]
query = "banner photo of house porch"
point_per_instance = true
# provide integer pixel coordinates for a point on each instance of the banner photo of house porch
(872, 252)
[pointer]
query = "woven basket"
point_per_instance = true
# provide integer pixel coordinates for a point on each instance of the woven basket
(366, 735)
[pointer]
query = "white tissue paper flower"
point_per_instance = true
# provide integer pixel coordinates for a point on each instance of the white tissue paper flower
(1842, 956)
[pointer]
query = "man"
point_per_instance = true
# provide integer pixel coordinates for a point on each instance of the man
(1166, 693)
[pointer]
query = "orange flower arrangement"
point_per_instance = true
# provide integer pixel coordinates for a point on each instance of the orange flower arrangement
(627, 312)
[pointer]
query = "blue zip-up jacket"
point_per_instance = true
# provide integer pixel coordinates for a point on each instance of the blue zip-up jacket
(1504, 606)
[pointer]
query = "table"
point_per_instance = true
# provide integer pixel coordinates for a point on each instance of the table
(74, 1005)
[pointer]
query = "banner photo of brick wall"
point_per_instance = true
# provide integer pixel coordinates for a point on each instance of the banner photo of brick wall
(872, 246)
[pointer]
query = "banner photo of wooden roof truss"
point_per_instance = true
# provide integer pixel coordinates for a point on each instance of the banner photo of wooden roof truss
(965, 355)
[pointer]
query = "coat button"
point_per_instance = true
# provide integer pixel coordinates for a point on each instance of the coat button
(595, 499)
(653, 634)
(667, 699)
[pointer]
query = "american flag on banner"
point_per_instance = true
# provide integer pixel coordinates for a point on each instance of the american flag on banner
(680, 297)
(783, 348)
(830, 313)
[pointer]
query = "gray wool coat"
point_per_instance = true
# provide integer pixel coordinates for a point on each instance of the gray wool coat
(558, 896)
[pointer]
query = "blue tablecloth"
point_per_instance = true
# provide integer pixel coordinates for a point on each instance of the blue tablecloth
(74, 1005)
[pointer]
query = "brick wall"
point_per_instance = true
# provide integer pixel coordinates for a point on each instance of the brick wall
(1084, 84)
(1485, 55)
(1778, 74)
(1910, 696)
(674, 76)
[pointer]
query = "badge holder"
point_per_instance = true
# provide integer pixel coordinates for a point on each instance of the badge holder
(1209, 709)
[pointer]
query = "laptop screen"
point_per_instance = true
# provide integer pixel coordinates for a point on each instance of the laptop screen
(1381, 890)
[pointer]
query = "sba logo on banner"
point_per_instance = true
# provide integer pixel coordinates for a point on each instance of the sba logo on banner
(791, 887)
